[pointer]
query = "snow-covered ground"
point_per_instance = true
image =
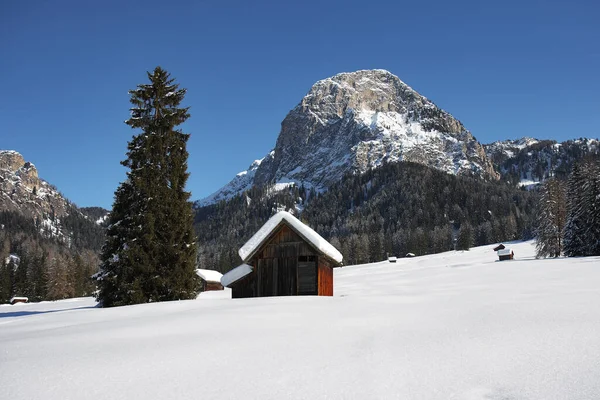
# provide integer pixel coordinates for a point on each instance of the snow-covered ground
(456, 325)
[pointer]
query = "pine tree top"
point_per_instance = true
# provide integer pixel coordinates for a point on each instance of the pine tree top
(156, 105)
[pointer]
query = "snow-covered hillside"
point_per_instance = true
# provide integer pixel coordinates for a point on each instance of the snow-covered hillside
(456, 325)
(528, 162)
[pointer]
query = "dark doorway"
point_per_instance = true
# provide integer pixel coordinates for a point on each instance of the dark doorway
(307, 275)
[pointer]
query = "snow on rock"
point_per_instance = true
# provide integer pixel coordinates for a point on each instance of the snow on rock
(14, 258)
(304, 230)
(236, 274)
(450, 326)
(209, 275)
(353, 122)
(242, 182)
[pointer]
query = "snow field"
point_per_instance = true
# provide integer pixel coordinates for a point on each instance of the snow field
(456, 325)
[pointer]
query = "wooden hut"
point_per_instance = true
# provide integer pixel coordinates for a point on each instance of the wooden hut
(19, 299)
(211, 280)
(284, 258)
(505, 254)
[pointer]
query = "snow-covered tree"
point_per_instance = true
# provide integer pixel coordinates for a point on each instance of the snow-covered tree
(582, 231)
(150, 251)
(574, 233)
(465, 237)
(551, 219)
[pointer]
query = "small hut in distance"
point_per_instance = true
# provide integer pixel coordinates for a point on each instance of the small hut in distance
(211, 280)
(18, 299)
(503, 252)
(284, 258)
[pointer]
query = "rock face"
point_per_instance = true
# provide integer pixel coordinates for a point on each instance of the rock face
(23, 191)
(352, 122)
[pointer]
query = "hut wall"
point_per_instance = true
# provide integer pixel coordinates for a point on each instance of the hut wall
(278, 261)
(245, 287)
(325, 278)
(213, 286)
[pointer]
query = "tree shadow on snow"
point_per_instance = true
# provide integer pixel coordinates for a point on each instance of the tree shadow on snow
(28, 313)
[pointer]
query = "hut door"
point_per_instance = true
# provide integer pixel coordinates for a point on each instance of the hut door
(307, 275)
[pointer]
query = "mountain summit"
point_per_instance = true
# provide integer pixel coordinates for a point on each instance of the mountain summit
(355, 121)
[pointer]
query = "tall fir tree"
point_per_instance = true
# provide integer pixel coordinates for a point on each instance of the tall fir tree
(582, 231)
(150, 251)
(590, 206)
(574, 232)
(551, 219)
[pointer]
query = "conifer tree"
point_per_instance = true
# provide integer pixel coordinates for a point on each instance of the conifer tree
(465, 237)
(574, 232)
(150, 251)
(551, 219)
(588, 197)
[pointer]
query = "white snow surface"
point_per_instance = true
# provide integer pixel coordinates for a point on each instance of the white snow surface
(304, 230)
(209, 275)
(236, 274)
(451, 326)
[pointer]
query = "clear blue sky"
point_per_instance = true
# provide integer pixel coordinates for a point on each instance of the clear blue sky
(506, 69)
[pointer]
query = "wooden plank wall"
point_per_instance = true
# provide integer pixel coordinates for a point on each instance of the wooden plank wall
(245, 287)
(325, 278)
(276, 268)
(307, 277)
(277, 263)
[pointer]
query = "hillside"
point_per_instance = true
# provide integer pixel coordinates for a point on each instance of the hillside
(528, 162)
(54, 241)
(397, 208)
(455, 325)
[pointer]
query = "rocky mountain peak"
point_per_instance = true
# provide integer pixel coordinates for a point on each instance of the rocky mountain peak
(12, 162)
(355, 121)
(22, 190)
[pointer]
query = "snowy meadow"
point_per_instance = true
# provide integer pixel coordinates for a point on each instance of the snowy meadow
(455, 325)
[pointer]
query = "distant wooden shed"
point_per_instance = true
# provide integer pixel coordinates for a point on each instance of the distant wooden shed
(505, 254)
(211, 280)
(392, 259)
(499, 247)
(284, 258)
(19, 299)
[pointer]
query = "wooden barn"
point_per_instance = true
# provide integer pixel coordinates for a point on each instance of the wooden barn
(284, 258)
(211, 280)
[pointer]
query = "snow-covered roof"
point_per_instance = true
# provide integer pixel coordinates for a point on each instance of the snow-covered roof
(209, 275)
(504, 252)
(18, 298)
(236, 274)
(252, 245)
